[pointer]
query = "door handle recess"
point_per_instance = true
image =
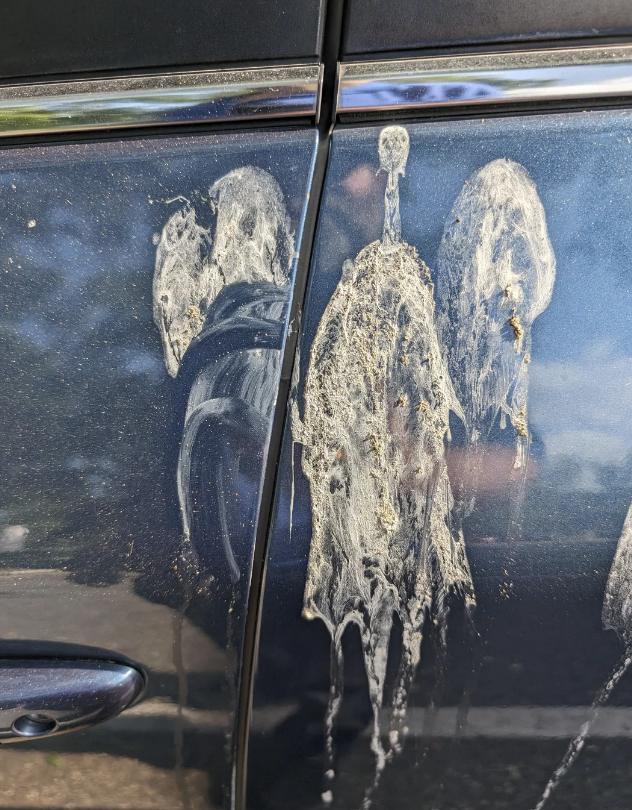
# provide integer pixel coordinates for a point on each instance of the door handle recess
(40, 697)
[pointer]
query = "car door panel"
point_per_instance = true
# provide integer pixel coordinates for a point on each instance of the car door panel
(438, 613)
(146, 286)
(443, 576)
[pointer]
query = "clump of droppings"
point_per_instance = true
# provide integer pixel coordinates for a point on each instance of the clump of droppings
(496, 275)
(382, 542)
(515, 324)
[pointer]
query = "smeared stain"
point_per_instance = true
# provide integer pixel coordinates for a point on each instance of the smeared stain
(616, 615)
(376, 413)
(496, 271)
(181, 280)
(251, 243)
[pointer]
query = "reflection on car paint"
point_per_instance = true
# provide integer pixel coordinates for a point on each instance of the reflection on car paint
(93, 423)
(386, 533)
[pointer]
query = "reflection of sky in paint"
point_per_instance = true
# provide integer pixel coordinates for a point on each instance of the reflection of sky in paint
(92, 212)
(77, 332)
(583, 407)
(581, 392)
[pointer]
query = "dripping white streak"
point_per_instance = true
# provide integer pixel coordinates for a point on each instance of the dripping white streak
(377, 402)
(616, 615)
(577, 743)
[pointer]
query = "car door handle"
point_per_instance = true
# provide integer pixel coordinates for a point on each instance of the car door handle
(40, 697)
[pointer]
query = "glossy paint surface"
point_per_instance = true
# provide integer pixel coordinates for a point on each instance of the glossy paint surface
(66, 36)
(94, 549)
(490, 715)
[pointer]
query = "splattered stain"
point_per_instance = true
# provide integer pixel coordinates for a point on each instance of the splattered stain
(384, 376)
(250, 251)
(374, 455)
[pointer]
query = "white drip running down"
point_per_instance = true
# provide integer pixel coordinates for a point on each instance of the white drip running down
(616, 615)
(383, 377)
(251, 242)
(376, 413)
(577, 743)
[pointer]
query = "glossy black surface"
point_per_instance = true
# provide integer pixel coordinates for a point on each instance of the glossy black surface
(374, 25)
(69, 36)
(96, 433)
(540, 573)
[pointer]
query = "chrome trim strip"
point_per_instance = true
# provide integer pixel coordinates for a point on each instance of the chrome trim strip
(174, 98)
(495, 78)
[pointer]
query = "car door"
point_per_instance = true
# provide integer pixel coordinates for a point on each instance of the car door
(444, 622)
(416, 581)
(155, 171)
